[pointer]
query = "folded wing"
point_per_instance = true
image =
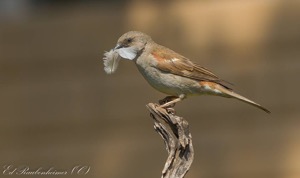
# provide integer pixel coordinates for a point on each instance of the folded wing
(170, 61)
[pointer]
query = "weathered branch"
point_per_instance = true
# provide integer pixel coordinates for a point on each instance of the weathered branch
(175, 132)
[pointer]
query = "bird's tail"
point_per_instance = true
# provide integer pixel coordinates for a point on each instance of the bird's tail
(232, 94)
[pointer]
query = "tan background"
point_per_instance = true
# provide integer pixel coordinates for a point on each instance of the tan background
(59, 109)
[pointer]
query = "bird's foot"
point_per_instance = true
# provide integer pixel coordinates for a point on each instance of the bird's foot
(170, 111)
(168, 104)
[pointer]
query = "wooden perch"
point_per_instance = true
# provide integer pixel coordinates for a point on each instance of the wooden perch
(175, 132)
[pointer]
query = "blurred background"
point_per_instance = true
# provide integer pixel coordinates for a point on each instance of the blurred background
(59, 109)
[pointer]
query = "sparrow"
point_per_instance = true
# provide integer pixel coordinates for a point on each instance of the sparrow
(171, 73)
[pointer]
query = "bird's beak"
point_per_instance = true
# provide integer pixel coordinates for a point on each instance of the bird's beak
(118, 46)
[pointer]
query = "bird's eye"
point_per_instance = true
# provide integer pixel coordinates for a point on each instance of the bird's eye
(129, 40)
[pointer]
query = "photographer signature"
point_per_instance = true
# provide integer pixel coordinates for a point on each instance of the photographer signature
(27, 170)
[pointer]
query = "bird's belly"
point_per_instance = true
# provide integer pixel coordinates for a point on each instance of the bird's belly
(170, 84)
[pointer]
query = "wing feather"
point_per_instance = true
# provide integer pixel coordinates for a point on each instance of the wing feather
(170, 61)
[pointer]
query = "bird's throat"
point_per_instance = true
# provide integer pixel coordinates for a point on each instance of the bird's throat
(127, 53)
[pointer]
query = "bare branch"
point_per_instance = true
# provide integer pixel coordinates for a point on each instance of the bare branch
(175, 132)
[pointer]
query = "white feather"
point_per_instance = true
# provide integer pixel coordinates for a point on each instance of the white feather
(111, 60)
(127, 53)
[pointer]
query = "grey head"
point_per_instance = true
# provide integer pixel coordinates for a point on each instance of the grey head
(131, 43)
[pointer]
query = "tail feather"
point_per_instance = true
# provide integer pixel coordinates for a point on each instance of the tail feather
(241, 98)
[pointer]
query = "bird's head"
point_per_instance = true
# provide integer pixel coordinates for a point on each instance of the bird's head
(131, 43)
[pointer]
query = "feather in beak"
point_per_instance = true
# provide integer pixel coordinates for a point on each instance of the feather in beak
(111, 60)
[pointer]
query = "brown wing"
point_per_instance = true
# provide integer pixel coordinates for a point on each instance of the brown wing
(169, 61)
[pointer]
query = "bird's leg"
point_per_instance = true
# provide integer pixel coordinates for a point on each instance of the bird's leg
(170, 101)
(169, 108)
(167, 99)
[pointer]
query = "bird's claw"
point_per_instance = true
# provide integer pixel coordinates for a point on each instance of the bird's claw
(171, 111)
